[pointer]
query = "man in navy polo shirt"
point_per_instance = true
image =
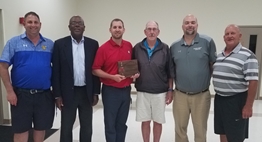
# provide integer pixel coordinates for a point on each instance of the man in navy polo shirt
(28, 91)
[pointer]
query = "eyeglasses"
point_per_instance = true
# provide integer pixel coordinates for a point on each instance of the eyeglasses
(152, 29)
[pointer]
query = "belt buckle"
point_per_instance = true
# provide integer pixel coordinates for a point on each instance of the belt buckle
(33, 91)
(190, 93)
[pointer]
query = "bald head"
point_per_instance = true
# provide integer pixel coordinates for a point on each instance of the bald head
(233, 26)
(190, 17)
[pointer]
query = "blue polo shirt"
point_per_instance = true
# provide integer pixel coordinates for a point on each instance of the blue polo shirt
(149, 50)
(31, 64)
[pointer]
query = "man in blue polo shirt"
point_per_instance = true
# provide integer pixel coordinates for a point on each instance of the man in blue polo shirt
(28, 91)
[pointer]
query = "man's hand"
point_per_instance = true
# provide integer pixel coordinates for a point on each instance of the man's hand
(118, 77)
(95, 100)
(135, 76)
(247, 112)
(12, 98)
(59, 103)
(169, 97)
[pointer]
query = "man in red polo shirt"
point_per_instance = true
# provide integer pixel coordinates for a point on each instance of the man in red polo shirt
(116, 88)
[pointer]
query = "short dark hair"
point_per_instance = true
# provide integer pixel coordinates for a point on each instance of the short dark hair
(116, 20)
(31, 13)
(76, 17)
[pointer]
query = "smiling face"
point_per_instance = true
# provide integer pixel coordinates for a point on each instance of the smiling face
(32, 25)
(190, 25)
(76, 27)
(117, 29)
(232, 36)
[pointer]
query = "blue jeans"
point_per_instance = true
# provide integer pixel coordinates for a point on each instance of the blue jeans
(116, 103)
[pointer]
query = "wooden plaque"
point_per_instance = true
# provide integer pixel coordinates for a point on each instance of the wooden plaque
(127, 68)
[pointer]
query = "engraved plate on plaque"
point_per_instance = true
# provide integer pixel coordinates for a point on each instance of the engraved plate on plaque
(127, 68)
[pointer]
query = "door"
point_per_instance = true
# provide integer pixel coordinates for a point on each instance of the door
(252, 39)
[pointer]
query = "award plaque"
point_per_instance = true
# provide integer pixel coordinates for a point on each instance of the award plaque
(127, 68)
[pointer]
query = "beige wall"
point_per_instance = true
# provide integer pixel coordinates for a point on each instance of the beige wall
(213, 16)
(54, 15)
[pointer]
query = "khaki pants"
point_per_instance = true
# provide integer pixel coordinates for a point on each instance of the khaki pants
(198, 106)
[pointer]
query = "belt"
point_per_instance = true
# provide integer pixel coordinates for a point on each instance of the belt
(79, 87)
(192, 93)
(31, 91)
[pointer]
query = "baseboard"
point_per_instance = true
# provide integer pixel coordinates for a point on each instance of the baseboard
(212, 95)
(133, 92)
(7, 121)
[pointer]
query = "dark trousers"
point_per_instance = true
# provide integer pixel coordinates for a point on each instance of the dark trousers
(228, 117)
(116, 103)
(68, 117)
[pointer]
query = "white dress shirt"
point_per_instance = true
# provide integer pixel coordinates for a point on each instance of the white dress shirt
(78, 62)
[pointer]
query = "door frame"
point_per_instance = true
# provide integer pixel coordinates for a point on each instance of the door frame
(258, 54)
(1, 47)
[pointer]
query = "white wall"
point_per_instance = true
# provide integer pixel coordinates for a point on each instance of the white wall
(213, 16)
(54, 15)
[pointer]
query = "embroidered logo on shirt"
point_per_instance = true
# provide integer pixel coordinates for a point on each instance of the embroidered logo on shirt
(43, 47)
(128, 52)
(179, 51)
(24, 45)
(197, 48)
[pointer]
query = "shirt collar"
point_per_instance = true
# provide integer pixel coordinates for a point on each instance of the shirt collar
(82, 40)
(146, 44)
(235, 50)
(114, 44)
(25, 36)
(196, 40)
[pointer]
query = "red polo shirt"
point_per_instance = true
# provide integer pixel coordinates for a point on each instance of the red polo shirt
(107, 57)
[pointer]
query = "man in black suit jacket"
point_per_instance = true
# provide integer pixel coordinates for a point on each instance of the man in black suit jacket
(74, 86)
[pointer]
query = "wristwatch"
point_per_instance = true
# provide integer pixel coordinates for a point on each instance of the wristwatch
(170, 90)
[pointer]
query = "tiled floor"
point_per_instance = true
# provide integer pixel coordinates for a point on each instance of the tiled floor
(134, 132)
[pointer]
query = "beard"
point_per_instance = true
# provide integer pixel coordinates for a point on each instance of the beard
(117, 36)
(190, 32)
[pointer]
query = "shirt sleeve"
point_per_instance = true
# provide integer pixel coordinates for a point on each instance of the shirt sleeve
(171, 71)
(212, 51)
(8, 52)
(250, 68)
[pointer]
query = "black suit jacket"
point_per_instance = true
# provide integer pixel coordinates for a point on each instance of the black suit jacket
(62, 71)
